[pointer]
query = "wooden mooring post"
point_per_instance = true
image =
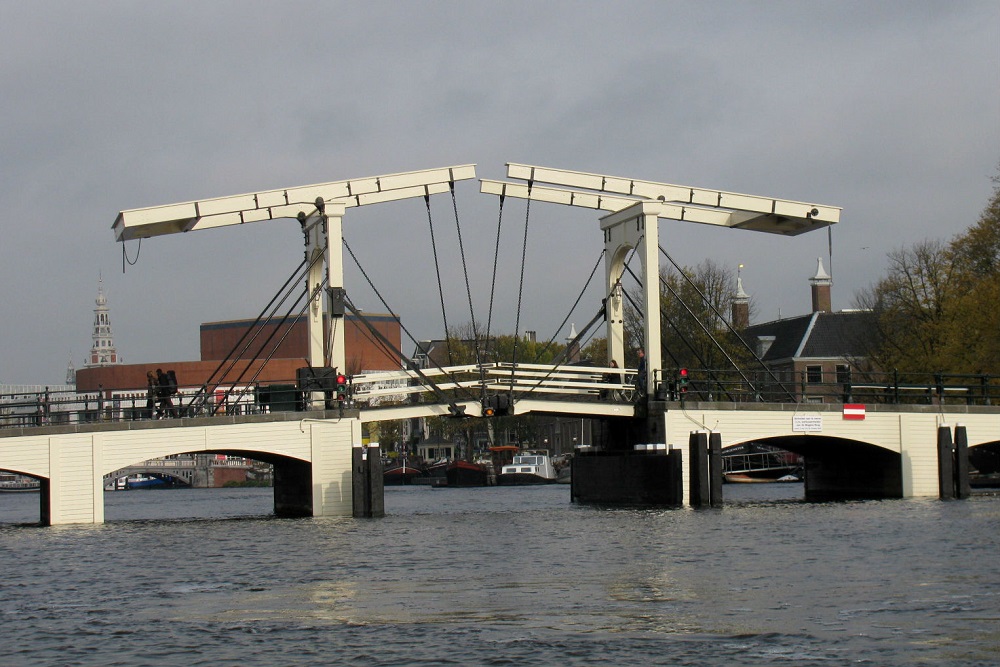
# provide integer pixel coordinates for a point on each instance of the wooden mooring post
(705, 469)
(368, 490)
(953, 463)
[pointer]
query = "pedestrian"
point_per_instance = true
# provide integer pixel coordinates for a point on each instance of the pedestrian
(640, 374)
(164, 406)
(152, 386)
(611, 378)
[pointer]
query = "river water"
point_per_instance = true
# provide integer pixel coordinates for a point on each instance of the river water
(503, 576)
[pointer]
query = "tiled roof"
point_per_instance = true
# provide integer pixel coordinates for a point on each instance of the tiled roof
(815, 336)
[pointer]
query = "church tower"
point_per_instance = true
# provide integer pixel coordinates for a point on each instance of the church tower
(102, 352)
(820, 283)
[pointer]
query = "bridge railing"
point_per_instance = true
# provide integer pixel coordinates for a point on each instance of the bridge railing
(815, 385)
(66, 407)
(46, 408)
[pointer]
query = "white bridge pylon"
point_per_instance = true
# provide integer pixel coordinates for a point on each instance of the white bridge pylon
(634, 208)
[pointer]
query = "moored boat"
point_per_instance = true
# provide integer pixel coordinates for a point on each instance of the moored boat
(464, 473)
(435, 473)
(11, 483)
(528, 467)
(141, 481)
(401, 475)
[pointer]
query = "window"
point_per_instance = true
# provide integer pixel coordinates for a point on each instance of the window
(814, 374)
(843, 373)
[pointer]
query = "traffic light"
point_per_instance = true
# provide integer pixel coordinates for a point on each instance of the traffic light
(342, 387)
(496, 405)
(682, 380)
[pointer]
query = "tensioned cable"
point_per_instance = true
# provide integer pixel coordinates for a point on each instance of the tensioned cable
(684, 339)
(255, 329)
(493, 283)
(520, 288)
(465, 270)
(588, 326)
(277, 345)
(243, 392)
(437, 269)
(386, 306)
(607, 296)
(731, 329)
(538, 355)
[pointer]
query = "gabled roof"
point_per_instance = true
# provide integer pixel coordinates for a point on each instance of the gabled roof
(815, 336)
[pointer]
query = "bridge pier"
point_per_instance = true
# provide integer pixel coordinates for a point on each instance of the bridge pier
(292, 488)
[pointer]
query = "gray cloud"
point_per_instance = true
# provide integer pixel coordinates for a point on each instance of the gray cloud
(890, 110)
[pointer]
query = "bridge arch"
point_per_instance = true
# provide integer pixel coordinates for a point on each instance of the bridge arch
(839, 468)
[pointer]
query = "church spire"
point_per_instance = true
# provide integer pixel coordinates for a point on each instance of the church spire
(102, 350)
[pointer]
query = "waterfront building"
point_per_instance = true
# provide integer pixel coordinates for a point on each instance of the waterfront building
(816, 352)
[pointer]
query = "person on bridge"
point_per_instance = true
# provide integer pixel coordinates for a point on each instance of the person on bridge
(640, 374)
(611, 378)
(152, 388)
(166, 388)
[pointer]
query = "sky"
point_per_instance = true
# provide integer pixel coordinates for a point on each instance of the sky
(890, 110)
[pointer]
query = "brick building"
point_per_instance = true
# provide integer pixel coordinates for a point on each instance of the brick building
(814, 353)
(287, 345)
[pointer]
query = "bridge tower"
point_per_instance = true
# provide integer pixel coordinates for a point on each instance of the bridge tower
(634, 228)
(633, 209)
(308, 483)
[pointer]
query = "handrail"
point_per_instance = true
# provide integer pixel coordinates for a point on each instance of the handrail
(22, 409)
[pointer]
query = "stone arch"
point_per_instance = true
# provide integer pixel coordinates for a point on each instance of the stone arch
(837, 468)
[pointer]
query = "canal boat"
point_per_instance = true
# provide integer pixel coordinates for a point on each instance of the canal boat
(11, 483)
(435, 473)
(141, 481)
(464, 473)
(401, 475)
(529, 467)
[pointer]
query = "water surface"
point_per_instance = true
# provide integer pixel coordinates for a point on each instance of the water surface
(503, 576)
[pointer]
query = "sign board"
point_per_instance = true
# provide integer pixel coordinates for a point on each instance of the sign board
(807, 423)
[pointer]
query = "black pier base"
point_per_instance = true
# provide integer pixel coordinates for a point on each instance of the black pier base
(368, 490)
(628, 478)
(953, 463)
(705, 467)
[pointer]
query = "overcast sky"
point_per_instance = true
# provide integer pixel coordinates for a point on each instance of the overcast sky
(890, 110)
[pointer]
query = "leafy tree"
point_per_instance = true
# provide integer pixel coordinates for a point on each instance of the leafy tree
(936, 307)
(914, 308)
(976, 254)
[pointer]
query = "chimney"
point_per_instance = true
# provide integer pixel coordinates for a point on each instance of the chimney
(821, 283)
(740, 314)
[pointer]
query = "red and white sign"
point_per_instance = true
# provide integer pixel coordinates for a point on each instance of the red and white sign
(854, 411)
